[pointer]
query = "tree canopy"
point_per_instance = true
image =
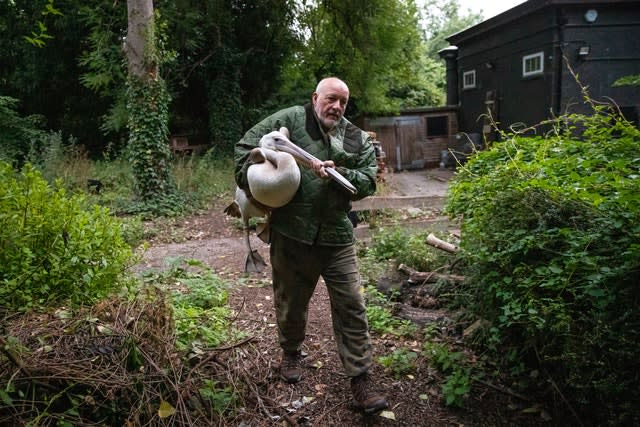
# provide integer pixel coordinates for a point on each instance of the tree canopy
(229, 62)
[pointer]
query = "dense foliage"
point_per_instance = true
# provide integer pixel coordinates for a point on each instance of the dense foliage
(17, 133)
(232, 62)
(552, 230)
(55, 249)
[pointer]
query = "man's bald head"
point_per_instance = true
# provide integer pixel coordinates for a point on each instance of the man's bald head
(329, 101)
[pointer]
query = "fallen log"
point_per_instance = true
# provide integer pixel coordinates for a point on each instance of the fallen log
(428, 276)
(441, 244)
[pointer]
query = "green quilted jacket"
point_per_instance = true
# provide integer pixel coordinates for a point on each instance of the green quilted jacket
(318, 213)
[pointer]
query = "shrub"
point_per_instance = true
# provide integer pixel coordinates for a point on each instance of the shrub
(406, 246)
(55, 249)
(552, 230)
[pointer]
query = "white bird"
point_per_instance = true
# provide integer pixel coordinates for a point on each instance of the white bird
(273, 180)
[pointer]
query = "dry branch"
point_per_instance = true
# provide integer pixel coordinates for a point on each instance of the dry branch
(441, 244)
(13, 357)
(428, 276)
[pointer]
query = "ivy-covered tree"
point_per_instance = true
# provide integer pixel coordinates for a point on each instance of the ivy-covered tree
(148, 111)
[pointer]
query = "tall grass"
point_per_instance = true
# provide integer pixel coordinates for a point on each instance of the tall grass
(201, 179)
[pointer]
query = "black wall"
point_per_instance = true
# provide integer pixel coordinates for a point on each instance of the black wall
(495, 49)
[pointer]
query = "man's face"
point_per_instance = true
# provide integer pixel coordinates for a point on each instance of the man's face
(329, 103)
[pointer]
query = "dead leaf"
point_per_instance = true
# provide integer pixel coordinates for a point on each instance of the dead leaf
(166, 409)
(388, 415)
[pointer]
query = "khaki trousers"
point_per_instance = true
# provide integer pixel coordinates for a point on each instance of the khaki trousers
(296, 269)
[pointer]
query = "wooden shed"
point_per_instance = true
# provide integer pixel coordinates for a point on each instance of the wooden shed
(416, 138)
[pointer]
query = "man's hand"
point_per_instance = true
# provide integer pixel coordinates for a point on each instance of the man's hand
(318, 167)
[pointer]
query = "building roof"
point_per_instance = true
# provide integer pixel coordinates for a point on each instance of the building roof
(521, 10)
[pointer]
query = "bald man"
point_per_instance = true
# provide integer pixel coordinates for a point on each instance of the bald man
(312, 236)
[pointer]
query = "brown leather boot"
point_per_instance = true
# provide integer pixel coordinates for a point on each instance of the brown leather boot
(366, 399)
(290, 367)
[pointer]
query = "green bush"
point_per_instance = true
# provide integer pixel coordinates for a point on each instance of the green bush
(406, 246)
(55, 249)
(552, 231)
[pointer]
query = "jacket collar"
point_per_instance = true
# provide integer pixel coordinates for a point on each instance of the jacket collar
(311, 123)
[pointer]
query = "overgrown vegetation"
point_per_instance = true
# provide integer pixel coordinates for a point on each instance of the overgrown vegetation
(551, 233)
(108, 356)
(200, 304)
(55, 248)
(390, 247)
(138, 360)
(17, 132)
(381, 319)
(456, 368)
(551, 248)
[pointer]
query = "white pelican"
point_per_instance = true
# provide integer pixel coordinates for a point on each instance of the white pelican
(273, 180)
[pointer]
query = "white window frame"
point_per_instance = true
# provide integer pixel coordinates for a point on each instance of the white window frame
(471, 84)
(527, 60)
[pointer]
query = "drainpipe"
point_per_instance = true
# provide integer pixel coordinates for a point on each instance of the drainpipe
(558, 61)
(398, 150)
(450, 55)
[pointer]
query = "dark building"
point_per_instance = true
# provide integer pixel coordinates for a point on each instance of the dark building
(521, 66)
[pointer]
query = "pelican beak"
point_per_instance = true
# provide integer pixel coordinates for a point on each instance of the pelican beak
(282, 143)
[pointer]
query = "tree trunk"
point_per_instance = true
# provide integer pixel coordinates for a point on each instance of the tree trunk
(148, 109)
(140, 34)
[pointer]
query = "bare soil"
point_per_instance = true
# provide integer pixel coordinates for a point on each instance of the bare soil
(323, 397)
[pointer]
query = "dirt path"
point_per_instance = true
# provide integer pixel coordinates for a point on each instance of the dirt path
(323, 397)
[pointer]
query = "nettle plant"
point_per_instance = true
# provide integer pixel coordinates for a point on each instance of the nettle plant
(552, 234)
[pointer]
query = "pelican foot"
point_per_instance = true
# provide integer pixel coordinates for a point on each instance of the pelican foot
(254, 262)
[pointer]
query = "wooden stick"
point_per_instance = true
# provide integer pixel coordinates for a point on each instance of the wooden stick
(14, 357)
(428, 276)
(441, 244)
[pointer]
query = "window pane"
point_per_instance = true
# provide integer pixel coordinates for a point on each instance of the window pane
(532, 64)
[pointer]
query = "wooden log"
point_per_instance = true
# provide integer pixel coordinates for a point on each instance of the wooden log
(441, 244)
(428, 276)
